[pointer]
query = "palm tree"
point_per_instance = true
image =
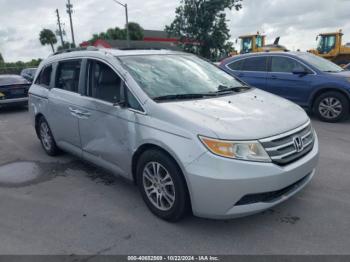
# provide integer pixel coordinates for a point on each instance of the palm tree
(47, 37)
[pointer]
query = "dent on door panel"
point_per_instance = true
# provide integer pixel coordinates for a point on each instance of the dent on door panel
(108, 136)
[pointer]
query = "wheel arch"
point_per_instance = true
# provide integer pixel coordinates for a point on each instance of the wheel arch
(149, 146)
(323, 90)
(37, 118)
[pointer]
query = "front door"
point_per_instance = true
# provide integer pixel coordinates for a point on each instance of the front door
(283, 82)
(104, 132)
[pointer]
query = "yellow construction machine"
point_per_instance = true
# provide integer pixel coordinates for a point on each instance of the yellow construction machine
(257, 43)
(330, 47)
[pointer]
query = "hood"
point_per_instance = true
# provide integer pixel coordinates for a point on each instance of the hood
(344, 74)
(251, 115)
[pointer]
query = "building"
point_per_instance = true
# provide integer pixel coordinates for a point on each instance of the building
(152, 39)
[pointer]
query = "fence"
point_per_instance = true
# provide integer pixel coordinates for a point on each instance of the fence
(11, 69)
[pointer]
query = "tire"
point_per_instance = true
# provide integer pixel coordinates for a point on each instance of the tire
(46, 138)
(331, 107)
(165, 195)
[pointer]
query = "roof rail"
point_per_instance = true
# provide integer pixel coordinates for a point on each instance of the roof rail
(88, 48)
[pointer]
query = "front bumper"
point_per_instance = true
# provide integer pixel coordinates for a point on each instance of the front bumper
(22, 100)
(217, 185)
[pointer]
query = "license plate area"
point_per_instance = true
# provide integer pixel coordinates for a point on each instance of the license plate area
(17, 91)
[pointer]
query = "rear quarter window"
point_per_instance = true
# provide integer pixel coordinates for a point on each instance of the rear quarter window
(236, 65)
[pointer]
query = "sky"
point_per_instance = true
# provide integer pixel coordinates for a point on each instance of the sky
(297, 22)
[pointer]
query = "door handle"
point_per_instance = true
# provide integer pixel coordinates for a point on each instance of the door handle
(80, 114)
(74, 111)
(85, 113)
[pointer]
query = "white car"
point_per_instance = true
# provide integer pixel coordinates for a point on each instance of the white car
(191, 136)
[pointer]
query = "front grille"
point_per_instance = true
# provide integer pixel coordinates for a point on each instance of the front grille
(271, 196)
(282, 148)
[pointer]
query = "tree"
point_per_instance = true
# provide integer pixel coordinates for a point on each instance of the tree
(66, 45)
(135, 32)
(47, 37)
(1, 59)
(203, 22)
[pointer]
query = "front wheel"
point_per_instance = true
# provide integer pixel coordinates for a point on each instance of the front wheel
(162, 185)
(331, 107)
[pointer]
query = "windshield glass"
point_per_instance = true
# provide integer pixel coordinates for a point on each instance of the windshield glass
(259, 41)
(169, 75)
(321, 63)
(247, 45)
(326, 43)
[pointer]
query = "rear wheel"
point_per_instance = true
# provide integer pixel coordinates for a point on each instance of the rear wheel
(331, 107)
(162, 185)
(46, 138)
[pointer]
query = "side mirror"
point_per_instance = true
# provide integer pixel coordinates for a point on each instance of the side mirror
(299, 71)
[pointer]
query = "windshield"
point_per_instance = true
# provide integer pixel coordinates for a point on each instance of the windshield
(173, 75)
(326, 44)
(259, 41)
(320, 63)
(247, 45)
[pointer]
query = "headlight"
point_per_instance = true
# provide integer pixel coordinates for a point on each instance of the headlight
(243, 150)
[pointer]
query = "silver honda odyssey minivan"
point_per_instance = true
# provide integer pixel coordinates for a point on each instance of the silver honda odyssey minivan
(193, 138)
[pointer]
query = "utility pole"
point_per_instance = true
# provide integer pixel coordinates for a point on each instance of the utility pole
(127, 21)
(127, 25)
(70, 11)
(59, 27)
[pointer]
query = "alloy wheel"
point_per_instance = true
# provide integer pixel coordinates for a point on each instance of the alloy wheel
(45, 136)
(330, 107)
(159, 186)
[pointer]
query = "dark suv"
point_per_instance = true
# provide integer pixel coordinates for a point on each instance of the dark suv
(308, 80)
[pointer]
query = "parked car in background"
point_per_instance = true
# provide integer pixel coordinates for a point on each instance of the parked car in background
(13, 90)
(28, 73)
(189, 134)
(308, 80)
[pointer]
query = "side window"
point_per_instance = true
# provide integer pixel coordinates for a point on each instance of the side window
(257, 64)
(104, 83)
(281, 64)
(132, 101)
(236, 65)
(44, 77)
(67, 75)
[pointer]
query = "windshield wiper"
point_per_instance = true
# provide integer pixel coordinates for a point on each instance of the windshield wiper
(225, 89)
(181, 97)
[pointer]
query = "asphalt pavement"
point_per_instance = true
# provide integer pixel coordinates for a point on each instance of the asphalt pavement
(62, 205)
